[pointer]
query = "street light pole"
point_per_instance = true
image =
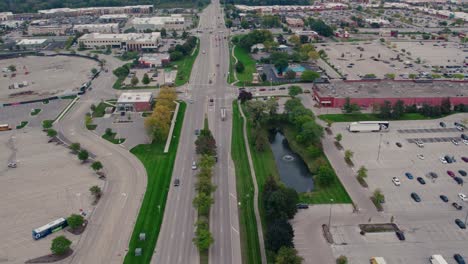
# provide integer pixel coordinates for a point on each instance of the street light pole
(330, 214)
(380, 144)
(466, 217)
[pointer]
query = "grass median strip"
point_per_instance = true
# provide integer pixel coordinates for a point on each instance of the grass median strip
(249, 64)
(159, 168)
(245, 192)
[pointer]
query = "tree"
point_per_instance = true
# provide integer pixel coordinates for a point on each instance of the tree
(290, 74)
(288, 255)
(309, 76)
(60, 245)
(445, 106)
(256, 111)
(325, 176)
(146, 80)
(378, 196)
(281, 65)
(385, 110)
(174, 34)
(94, 71)
(83, 155)
(313, 151)
(96, 191)
(279, 234)
(244, 96)
(185, 34)
(75, 147)
(203, 238)
(96, 166)
(295, 40)
(75, 221)
(203, 203)
(176, 55)
(51, 133)
(134, 81)
(348, 155)
(205, 143)
(362, 172)
(342, 260)
(240, 67)
(390, 76)
(338, 137)
(163, 33)
(294, 90)
(398, 109)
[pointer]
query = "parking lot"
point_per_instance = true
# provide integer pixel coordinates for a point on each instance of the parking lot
(42, 77)
(34, 194)
(434, 53)
(428, 225)
(356, 59)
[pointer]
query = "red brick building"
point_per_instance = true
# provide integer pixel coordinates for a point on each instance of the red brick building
(367, 93)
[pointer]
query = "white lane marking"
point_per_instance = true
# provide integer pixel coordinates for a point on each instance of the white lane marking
(233, 196)
(235, 230)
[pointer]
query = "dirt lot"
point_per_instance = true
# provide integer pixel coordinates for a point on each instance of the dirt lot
(47, 76)
(35, 194)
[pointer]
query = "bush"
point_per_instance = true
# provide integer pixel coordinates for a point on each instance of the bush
(342, 260)
(75, 221)
(240, 67)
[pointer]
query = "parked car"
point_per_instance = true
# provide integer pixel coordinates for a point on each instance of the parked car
(451, 173)
(432, 175)
(462, 173)
(415, 197)
(12, 165)
(419, 143)
(421, 156)
(442, 124)
(194, 165)
(458, 180)
(459, 259)
(457, 206)
(449, 159)
(465, 159)
(421, 180)
(444, 198)
(398, 144)
(400, 235)
(443, 160)
(463, 197)
(459, 128)
(409, 175)
(396, 181)
(197, 132)
(465, 141)
(302, 206)
(464, 136)
(455, 142)
(460, 223)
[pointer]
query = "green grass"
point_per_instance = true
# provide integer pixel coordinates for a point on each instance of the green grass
(111, 138)
(101, 108)
(145, 114)
(23, 124)
(184, 66)
(91, 127)
(243, 56)
(250, 248)
(35, 111)
(368, 117)
(159, 168)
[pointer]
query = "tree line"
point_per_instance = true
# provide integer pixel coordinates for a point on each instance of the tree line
(159, 122)
(179, 51)
(206, 148)
(267, 2)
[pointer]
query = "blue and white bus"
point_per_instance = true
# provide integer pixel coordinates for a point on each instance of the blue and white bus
(50, 228)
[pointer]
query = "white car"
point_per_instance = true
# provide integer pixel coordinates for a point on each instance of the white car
(194, 165)
(421, 156)
(443, 160)
(459, 128)
(463, 197)
(396, 181)
(455, 142)
(465, 141)
(419, 143)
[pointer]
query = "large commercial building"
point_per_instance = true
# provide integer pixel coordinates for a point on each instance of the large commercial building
(291, 8)
(4, 16)
(367, 93)
(113, 18)
(56, 30)
(97, 28)
(173, 22)
(135, 102)
(137, 9)
(129, 41)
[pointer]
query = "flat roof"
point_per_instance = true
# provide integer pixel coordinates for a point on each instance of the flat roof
(154, 36)
(31, 41)
(109, 25)
(392, 89)
(157, 20)
(135, 97)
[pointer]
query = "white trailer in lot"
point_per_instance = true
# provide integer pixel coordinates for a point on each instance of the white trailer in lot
(359, 127)
(438, 259)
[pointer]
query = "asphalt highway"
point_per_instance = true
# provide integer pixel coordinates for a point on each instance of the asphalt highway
(208, 81)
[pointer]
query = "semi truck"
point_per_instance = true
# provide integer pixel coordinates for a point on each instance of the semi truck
(377, 260)
(438, 259)
(223, 113)
(5, 127)
(358, 127)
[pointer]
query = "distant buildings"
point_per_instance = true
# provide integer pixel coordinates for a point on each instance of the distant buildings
(4, 16)
(32, 43)
(113, 18)
(134, 102)
(45, 30)
(97, 28)
(129, 41)
(173, 22)
(154, 60)
(137, 9)
(295, 22)
(291, 8)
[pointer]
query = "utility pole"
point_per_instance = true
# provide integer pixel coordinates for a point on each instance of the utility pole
(330, 214)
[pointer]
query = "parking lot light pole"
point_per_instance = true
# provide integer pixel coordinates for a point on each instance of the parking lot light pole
(380, 144)
(330, 214)
(466, 217)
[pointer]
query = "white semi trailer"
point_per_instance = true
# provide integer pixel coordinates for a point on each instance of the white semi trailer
(358, 127)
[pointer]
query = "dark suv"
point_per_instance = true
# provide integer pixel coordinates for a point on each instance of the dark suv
(460, 223)
(415, 197)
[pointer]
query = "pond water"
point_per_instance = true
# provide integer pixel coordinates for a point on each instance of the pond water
(292, 169)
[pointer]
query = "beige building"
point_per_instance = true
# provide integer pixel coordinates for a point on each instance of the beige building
(137, 9)
(173, 22)
(129, 41)
(295, 22)
(56, 30)
(97, 28)
(4, 16)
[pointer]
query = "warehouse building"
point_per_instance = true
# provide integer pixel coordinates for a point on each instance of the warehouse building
(135, 102)
(97, 28)
(173, 22)
(367, 93)
(128, 41)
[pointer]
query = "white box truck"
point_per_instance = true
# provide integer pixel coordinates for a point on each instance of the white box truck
(438, 259)
(377, 260)
(358, 127)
